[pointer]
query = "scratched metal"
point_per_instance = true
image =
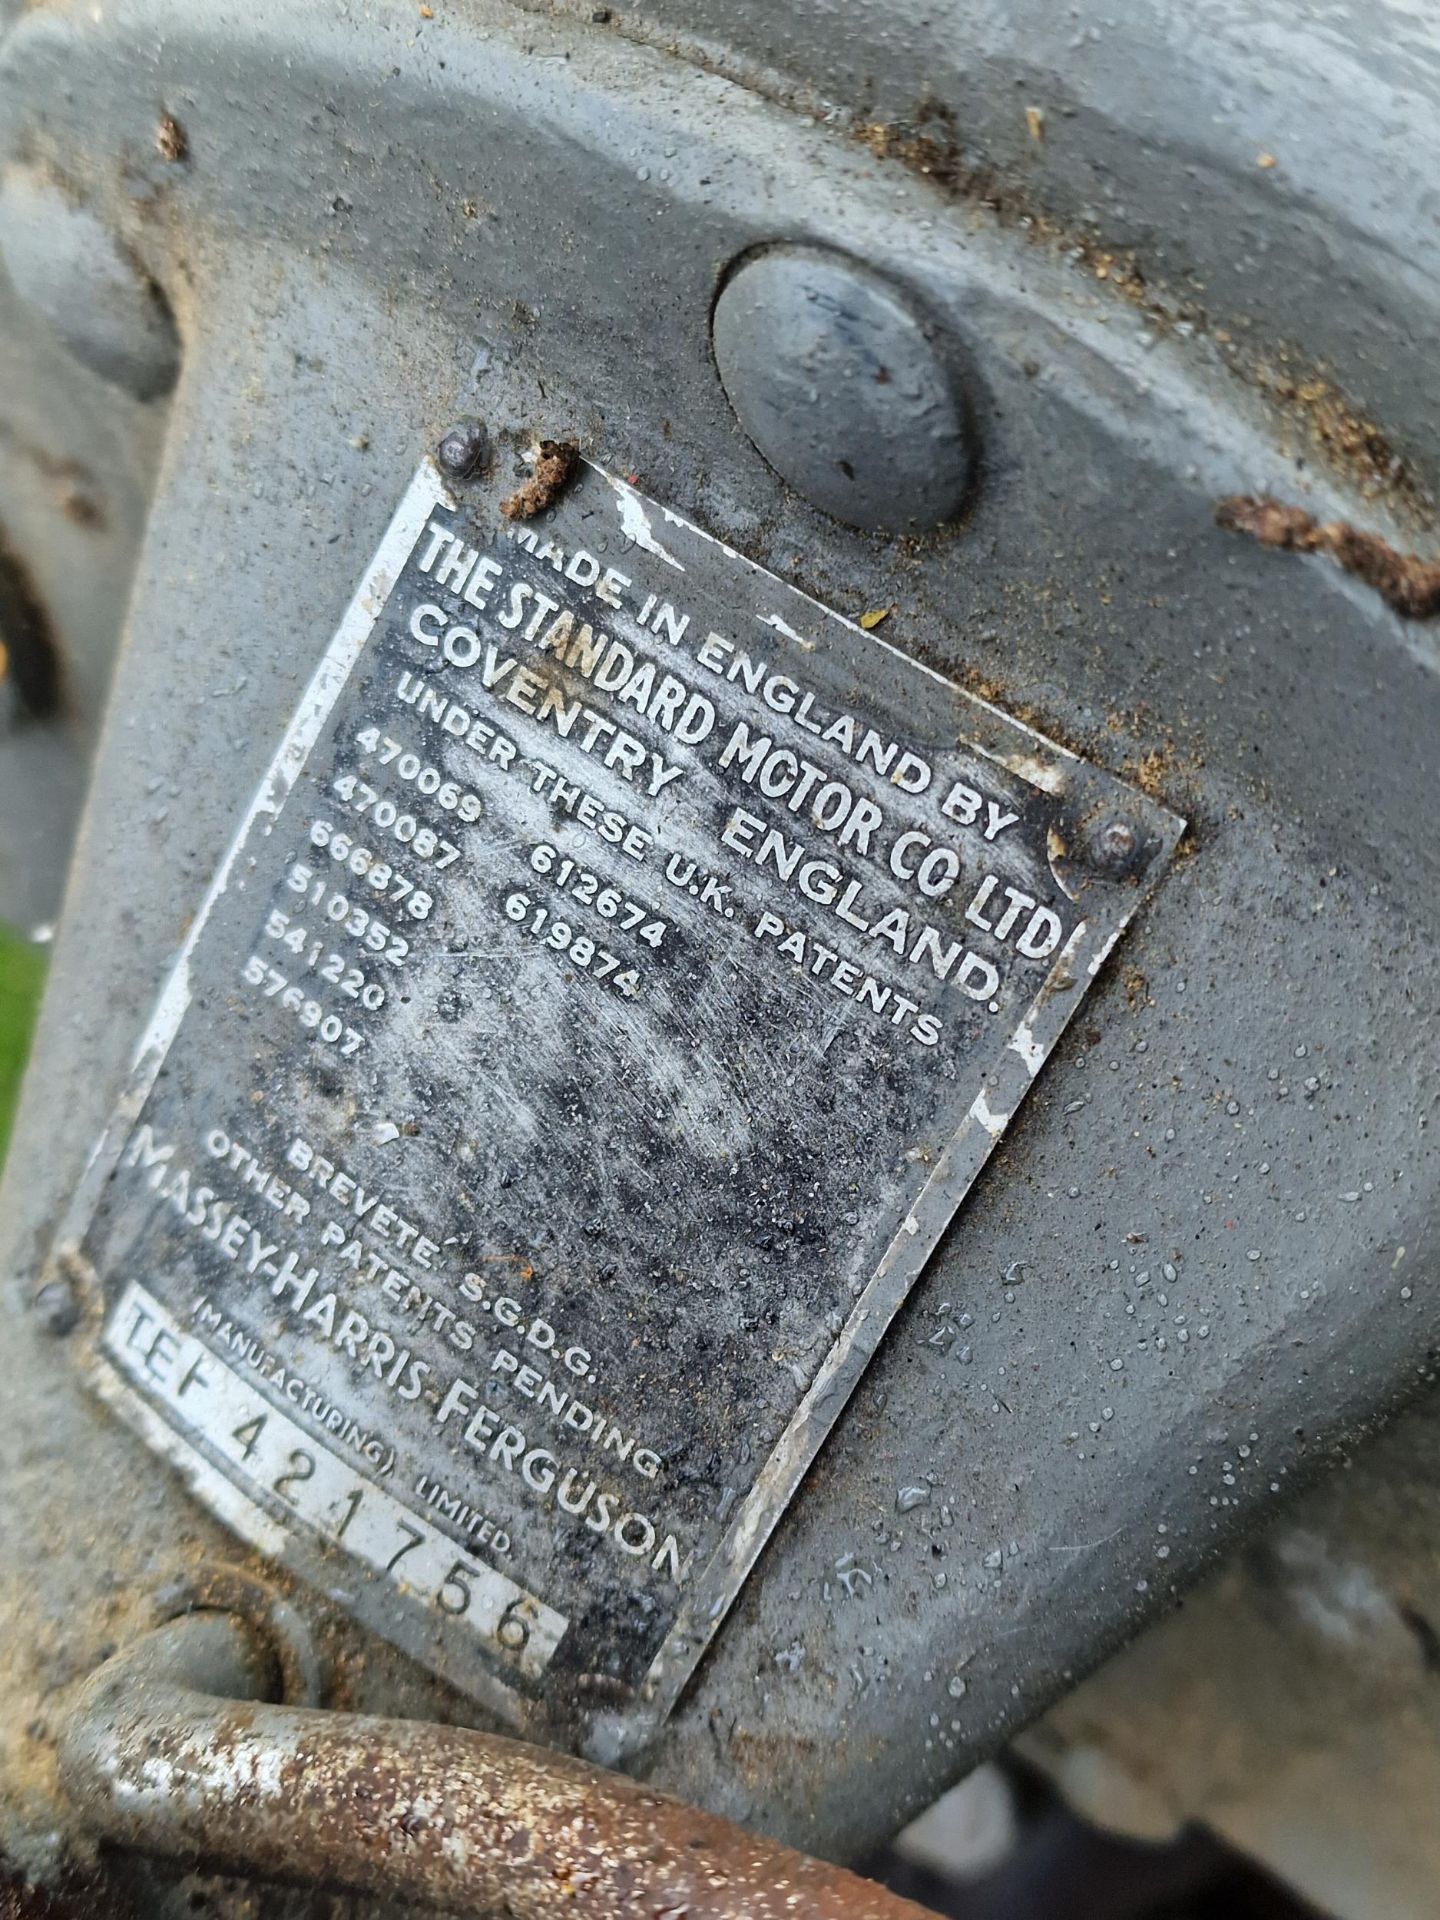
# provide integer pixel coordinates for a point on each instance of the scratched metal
(622, 974)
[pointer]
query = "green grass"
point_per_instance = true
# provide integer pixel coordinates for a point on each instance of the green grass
(22, 973)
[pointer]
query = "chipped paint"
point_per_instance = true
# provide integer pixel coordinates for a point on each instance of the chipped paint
(635, 524)
(784, 627)
(1038, 771)
(1024, 1043)
(993, 1123)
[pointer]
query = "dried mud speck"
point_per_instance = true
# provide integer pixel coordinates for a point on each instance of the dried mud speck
(555, 465)
(1405, 582)
(170, 138)
(930, 145)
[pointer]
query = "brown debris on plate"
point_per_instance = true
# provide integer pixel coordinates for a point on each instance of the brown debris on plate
(555, 464)
(171, 141)
(1405, 582)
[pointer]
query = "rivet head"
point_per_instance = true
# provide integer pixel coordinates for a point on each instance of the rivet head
(461, 452)
(847, 390)
(57, 1308)
(1115, 846)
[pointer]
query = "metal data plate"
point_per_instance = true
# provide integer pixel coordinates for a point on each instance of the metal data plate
(622, 973)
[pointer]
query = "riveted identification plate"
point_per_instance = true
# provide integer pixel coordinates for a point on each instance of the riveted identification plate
(624, 969)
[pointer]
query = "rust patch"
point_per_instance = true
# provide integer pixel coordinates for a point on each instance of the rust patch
(555, 465)
(426, 1813)
(1405, 582)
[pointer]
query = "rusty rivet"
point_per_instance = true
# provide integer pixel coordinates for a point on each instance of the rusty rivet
(1115, 845)
(461, 452)
(57, 1307)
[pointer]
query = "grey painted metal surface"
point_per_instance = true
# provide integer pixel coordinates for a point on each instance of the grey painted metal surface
(1270, 162)
(1192, 1241)
(65, 262)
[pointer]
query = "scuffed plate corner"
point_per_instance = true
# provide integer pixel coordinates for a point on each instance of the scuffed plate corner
(618, 980)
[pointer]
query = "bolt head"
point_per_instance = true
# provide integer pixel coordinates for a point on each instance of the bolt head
(461, 452)
(846, 389)
(57, 1308)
